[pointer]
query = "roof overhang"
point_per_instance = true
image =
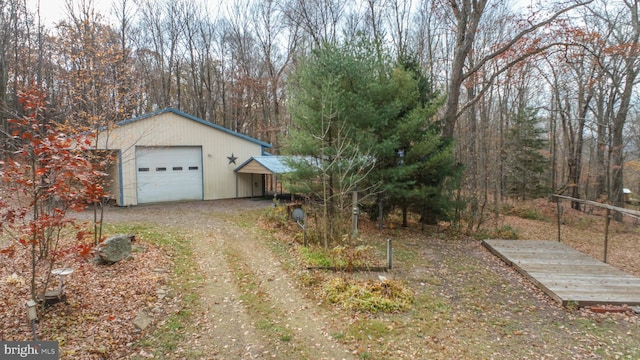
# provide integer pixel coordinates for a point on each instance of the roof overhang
(269, 165)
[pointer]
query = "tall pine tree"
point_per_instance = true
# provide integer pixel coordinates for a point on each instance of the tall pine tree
(526, 162)
(360, 119)
(338, 96)
(421, 169)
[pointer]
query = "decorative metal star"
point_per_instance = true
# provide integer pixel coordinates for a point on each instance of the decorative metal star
(232, 159)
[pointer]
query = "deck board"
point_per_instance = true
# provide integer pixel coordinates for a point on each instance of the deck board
(567, 275)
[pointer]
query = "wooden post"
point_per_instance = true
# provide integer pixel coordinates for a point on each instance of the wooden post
(606, 234)
(559, 212)
(304, 236)
(380, 211)
(252, 185)
(389, 254)
(355, 212)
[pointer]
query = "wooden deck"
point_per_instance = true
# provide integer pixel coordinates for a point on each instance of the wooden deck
(567, 275)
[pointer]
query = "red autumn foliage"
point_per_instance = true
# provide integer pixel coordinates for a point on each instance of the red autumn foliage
(44, 174)
(96, 321)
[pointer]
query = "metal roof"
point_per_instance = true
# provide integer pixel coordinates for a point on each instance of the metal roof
(275, 164)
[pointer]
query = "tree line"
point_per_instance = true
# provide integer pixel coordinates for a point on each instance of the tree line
(533, 99)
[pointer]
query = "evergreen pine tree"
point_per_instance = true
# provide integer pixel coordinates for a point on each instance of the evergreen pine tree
(422, 166)
(526, 162)
(360, 119)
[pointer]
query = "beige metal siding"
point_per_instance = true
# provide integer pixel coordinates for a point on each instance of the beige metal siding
(250, 185)
(253, 167)
(170, 129)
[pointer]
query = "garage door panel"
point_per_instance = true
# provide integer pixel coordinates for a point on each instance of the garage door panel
(168, 174)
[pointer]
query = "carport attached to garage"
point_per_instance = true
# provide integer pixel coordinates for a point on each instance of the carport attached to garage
(267, 166)
(170, 173)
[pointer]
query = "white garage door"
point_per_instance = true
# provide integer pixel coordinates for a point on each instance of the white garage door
(168, 174)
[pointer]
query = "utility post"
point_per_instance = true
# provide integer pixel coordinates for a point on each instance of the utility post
(381, 211)
(356, 211)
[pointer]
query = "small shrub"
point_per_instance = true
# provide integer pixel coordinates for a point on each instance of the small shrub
(482, 234)
(507, 232)
(343, 256)
(316, 256)
(504, 232)
(369, 296)
(584, 223)
(276, 216)
(532, 214)
(506, 208)
(351, 257)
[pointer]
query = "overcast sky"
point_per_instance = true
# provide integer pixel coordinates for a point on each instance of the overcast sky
(52, 11)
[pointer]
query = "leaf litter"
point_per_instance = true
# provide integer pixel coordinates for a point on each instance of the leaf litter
(468, 304)
(96, 321)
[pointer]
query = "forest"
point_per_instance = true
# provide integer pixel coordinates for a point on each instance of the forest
(537, 96)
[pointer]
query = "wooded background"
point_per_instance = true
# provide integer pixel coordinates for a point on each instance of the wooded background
(540, 95)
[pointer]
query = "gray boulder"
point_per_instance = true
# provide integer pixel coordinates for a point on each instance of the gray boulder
(115, 248)
(142, 320)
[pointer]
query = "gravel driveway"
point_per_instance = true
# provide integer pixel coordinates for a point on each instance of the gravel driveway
(225, 328)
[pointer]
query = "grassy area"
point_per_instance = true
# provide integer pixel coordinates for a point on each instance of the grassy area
(466, 304)
(469, 305)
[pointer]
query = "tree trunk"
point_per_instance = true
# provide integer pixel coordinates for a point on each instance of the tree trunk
(4, 125)
(575, 163)
(601, 145)
(617, 142)
(467, 14)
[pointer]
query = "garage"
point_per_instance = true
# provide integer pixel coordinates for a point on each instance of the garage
(168, 155)
(169, 173)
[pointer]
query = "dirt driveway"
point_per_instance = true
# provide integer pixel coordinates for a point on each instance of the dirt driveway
(228, 255)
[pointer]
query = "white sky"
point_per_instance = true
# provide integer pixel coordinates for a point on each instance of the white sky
(52, 11)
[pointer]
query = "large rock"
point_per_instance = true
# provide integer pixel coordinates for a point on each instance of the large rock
(115, 248)
(142, 320)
